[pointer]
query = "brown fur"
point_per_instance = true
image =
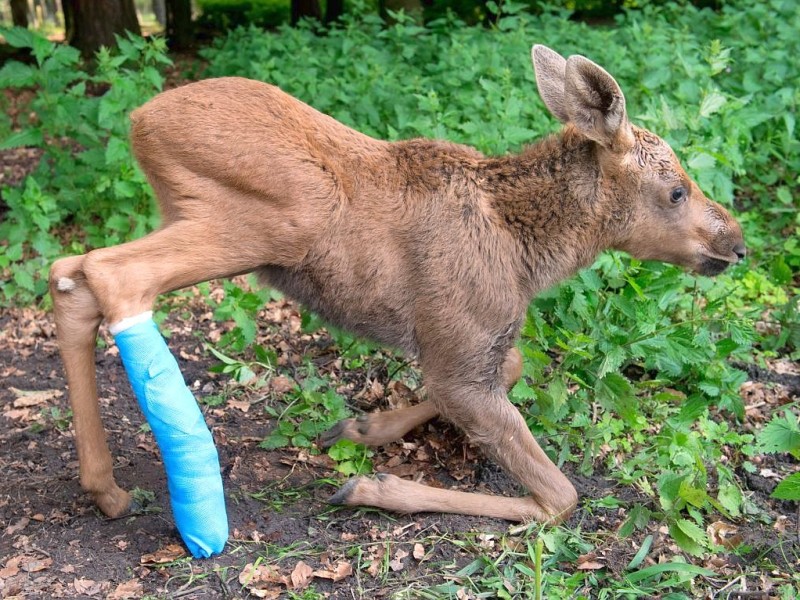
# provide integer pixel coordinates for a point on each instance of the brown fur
(424, 245)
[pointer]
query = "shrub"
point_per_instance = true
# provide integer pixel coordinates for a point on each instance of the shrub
(86, 175)
(221, 15)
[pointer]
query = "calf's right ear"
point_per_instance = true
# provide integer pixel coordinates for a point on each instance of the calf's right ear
(550, 69)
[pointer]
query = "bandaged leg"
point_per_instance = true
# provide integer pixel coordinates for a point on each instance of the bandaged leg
(190, 458)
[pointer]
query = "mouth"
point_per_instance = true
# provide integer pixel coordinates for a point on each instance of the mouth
(711, 266)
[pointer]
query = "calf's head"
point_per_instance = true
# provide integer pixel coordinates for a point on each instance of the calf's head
(655, 210)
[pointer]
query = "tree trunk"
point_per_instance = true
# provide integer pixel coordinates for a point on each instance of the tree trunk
(51, 7)
(305, 8)
(160, 11)
(69, 26)
(19, 13)
(92, 23)
(179, 23)
(333, 10)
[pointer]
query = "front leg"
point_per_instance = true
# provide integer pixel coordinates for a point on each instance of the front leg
(489, 419)
(379, 428)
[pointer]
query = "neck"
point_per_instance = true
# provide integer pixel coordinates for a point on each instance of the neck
(549, 197)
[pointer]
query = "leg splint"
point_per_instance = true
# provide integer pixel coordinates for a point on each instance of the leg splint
(190, 458)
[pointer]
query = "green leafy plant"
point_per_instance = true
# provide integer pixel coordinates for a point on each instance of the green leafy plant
(241, 305)
(782, 434)
(351, 458)
(221, 15)
(310, 408)
(86, 173)
(253, 373)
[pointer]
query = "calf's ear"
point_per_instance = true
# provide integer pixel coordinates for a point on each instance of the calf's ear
(595, 104)
(550, 69)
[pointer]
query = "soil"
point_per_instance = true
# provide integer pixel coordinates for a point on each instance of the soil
(55, 543)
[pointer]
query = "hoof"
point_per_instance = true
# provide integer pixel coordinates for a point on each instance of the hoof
(364, 491)
(333, 435)
(341, 497)
(115, 503)
(355, 430)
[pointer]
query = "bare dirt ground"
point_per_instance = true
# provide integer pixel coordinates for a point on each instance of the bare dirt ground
(284, 536)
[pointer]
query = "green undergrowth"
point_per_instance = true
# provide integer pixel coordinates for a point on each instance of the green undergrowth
(629, 366)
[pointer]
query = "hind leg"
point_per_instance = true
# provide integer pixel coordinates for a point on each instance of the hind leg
(123, 281)
(77, 316)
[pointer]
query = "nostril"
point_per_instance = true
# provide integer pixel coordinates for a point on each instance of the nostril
(740, 250)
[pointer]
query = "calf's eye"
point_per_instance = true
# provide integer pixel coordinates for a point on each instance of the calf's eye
(678, 195)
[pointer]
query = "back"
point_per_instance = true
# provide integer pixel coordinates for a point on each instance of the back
(250, 136)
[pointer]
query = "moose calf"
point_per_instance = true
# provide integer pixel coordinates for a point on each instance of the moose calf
(423, 245)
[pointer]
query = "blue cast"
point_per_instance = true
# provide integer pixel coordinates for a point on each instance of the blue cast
(190, 458)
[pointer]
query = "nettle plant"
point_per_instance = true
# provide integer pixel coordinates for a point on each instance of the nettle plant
(782, 434)
(622, 367)
(86, 173)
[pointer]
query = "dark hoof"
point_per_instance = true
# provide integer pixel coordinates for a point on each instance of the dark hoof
(340, 497)
(135, 509)
(333, 435)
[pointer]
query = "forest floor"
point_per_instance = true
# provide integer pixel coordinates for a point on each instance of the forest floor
(285, 538)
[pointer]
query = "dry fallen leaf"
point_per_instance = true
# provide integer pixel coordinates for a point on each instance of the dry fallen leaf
(724, 534)
(27, 398)
(23, 414)
(780, 523)
(241, 405)
(11, 372)
(769, 474)
(32, 565)
(12, 567)
(587, 562)
(301, 576)
(400, 395)
(784, 366)
(18, 526)
(86, 586)
(260, 576)
(336, 572)
(376, 554)
(590, 565)
(126, 590)
(281, 384)
(269, 593)
(166, 554)
(396, 564)
(419, 551)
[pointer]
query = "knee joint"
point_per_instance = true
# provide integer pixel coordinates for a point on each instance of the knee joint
(63, 275)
